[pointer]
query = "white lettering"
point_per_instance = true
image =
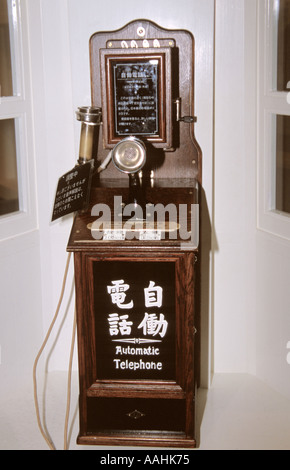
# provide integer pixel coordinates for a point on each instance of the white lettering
(154, 213)
(111, 460)
(153, 295)
(141, 365)
(152, 325)
(117, 293)
(98, 225)
(119, 324)
(149, 351)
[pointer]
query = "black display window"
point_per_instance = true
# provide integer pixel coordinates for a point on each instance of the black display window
(135, 320)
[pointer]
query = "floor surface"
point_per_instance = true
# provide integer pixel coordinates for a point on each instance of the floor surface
(239, 412)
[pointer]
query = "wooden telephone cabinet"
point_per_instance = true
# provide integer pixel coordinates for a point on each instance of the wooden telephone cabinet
(137, 288)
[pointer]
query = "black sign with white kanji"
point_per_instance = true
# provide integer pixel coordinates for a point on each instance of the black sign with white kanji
(134, 305)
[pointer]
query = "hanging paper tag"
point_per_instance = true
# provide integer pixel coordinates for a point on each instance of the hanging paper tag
(73, 191)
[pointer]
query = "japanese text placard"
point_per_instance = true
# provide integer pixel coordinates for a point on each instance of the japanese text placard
(135, 320)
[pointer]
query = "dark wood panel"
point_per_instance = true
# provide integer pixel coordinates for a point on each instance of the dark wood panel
(135, 414)
(91, 388)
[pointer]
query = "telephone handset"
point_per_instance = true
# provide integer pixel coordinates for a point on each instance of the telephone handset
(90, 118)
(128, 155)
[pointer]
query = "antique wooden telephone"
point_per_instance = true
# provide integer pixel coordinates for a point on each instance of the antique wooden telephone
(136, 274)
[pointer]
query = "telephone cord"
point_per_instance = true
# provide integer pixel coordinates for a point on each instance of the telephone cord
(45, 436)
(69, 384)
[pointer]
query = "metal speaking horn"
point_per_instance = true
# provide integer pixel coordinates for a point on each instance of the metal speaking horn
(129, 156)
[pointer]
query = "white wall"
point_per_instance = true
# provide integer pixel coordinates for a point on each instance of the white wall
(251, 268)
(54, 122)
(273, 311)
(20, 321)
(273, 236)
(234, 295)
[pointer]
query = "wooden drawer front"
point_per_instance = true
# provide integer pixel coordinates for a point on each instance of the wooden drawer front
(135, 414)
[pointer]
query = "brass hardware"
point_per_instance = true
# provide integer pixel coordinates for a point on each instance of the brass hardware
(90, 117)
(129, 155)
(136, 414)
(187, 119)
(141, 31)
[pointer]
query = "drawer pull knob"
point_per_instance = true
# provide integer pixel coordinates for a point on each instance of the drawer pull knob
(136, 414)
